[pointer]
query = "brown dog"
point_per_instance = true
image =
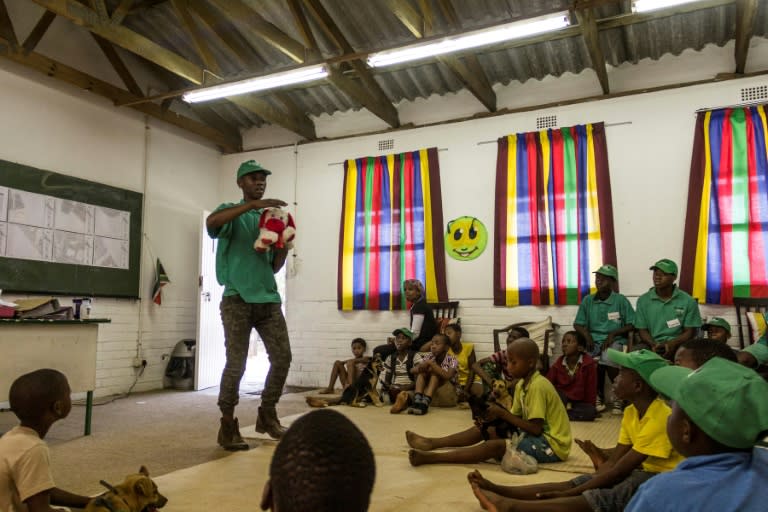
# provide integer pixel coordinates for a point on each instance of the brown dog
(137, 493)
(501, 394)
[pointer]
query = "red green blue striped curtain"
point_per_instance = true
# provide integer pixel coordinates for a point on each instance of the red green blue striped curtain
(391, 230)
(725, 248)
(554, 219)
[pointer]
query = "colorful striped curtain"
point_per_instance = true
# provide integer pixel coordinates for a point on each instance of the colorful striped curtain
(554, 219)
(391, 230)
(725, 248)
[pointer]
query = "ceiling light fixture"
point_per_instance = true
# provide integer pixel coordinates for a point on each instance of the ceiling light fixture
(474, 39)
(653, 5)
(260, 83)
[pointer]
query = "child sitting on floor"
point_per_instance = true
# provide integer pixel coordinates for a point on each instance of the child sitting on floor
(574, 376)
(347, 371)
(435, 377)
(643, 443)
(719, 413)
(467, 383)
(323, 463)
(694, 353)
(494, 367)
(38, 399)
(538, 415)
(397, 381)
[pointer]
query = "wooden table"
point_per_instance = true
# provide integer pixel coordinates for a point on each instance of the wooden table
(65, 345)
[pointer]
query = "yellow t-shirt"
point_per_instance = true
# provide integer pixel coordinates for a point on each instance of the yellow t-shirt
(25, 468)
(539, 400)
(463, 359)
(649, 436)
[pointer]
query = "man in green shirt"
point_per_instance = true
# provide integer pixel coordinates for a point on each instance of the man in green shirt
(250, 300)
(666, 316)
(605, 319)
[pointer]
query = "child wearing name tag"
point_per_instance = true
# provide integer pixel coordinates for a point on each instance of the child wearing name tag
(666, 316)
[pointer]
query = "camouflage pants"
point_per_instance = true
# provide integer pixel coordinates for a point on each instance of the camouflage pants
(238, 318)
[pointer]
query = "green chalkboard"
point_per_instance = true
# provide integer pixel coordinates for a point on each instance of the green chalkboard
(52, 257)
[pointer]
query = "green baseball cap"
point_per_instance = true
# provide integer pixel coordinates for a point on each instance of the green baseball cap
(726, 400)
(251, 166)
(717, 322)
(608, 270)
(759, 352)
(644, 362)
(666, 266)
(405, 332)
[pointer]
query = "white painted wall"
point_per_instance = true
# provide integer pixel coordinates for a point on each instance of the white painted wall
(70, 132)
(649, 161)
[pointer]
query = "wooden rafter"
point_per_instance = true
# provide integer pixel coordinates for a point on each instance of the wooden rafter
(746, 15)
(6, 27)
(591, 37)
(125, 38)
(122, 11)
(101, 9)
(174, 63)
(119, 66)
(468, 70)
(372, 97)
(193, 31)
(231, 38)
(115, 94)
(302, 24)
(41, 27)
(237, 10)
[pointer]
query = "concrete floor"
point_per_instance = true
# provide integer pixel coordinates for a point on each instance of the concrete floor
(235, 482)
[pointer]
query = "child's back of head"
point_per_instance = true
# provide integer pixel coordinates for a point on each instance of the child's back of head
(324, 464)
(33, 394)
(696, 352)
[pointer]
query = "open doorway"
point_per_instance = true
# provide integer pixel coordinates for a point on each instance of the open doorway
(210, 354)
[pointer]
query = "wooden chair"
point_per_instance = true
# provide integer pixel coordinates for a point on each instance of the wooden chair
(548, 334)
(743, 306)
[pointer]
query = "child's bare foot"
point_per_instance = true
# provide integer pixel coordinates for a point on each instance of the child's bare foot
(328, 391)
(417, 441)
(314, 401)
(401, 402)
(476, 478)
(490, 501)
(595, 454)
(417, 457)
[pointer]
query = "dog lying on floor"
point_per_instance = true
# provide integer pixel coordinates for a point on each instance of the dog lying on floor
(356, 395)
(137, 493)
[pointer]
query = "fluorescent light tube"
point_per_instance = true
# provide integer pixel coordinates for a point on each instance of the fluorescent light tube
(261, 83)
(475, 39)
(653, 5)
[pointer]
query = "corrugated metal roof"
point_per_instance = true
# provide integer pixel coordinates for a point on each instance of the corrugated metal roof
(370, 24)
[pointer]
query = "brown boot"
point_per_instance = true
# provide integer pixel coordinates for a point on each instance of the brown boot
(267, 422)
(229, 436)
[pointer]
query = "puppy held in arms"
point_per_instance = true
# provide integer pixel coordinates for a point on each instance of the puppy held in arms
(137, 493)
(501, 394)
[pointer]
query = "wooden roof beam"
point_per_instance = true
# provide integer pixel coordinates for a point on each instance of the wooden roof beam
(64, 73)
(119, 66)
(230, 38)
(374, 98)
(300, 18)
(468, 70)
(193, 31)
(41, 27)
(121, 12)
(123, 37)
(6, 26)
(591, 36)
(101, 9)
(746, 15)
(237, 10)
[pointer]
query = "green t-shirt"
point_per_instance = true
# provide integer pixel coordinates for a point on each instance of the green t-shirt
(602, 317)
(239, 267)
(665, 320)
(539, 400)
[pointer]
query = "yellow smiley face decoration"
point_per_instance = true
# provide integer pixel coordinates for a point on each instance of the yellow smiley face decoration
(465, 238)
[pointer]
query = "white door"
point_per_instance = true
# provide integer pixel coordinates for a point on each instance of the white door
(210, 355)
